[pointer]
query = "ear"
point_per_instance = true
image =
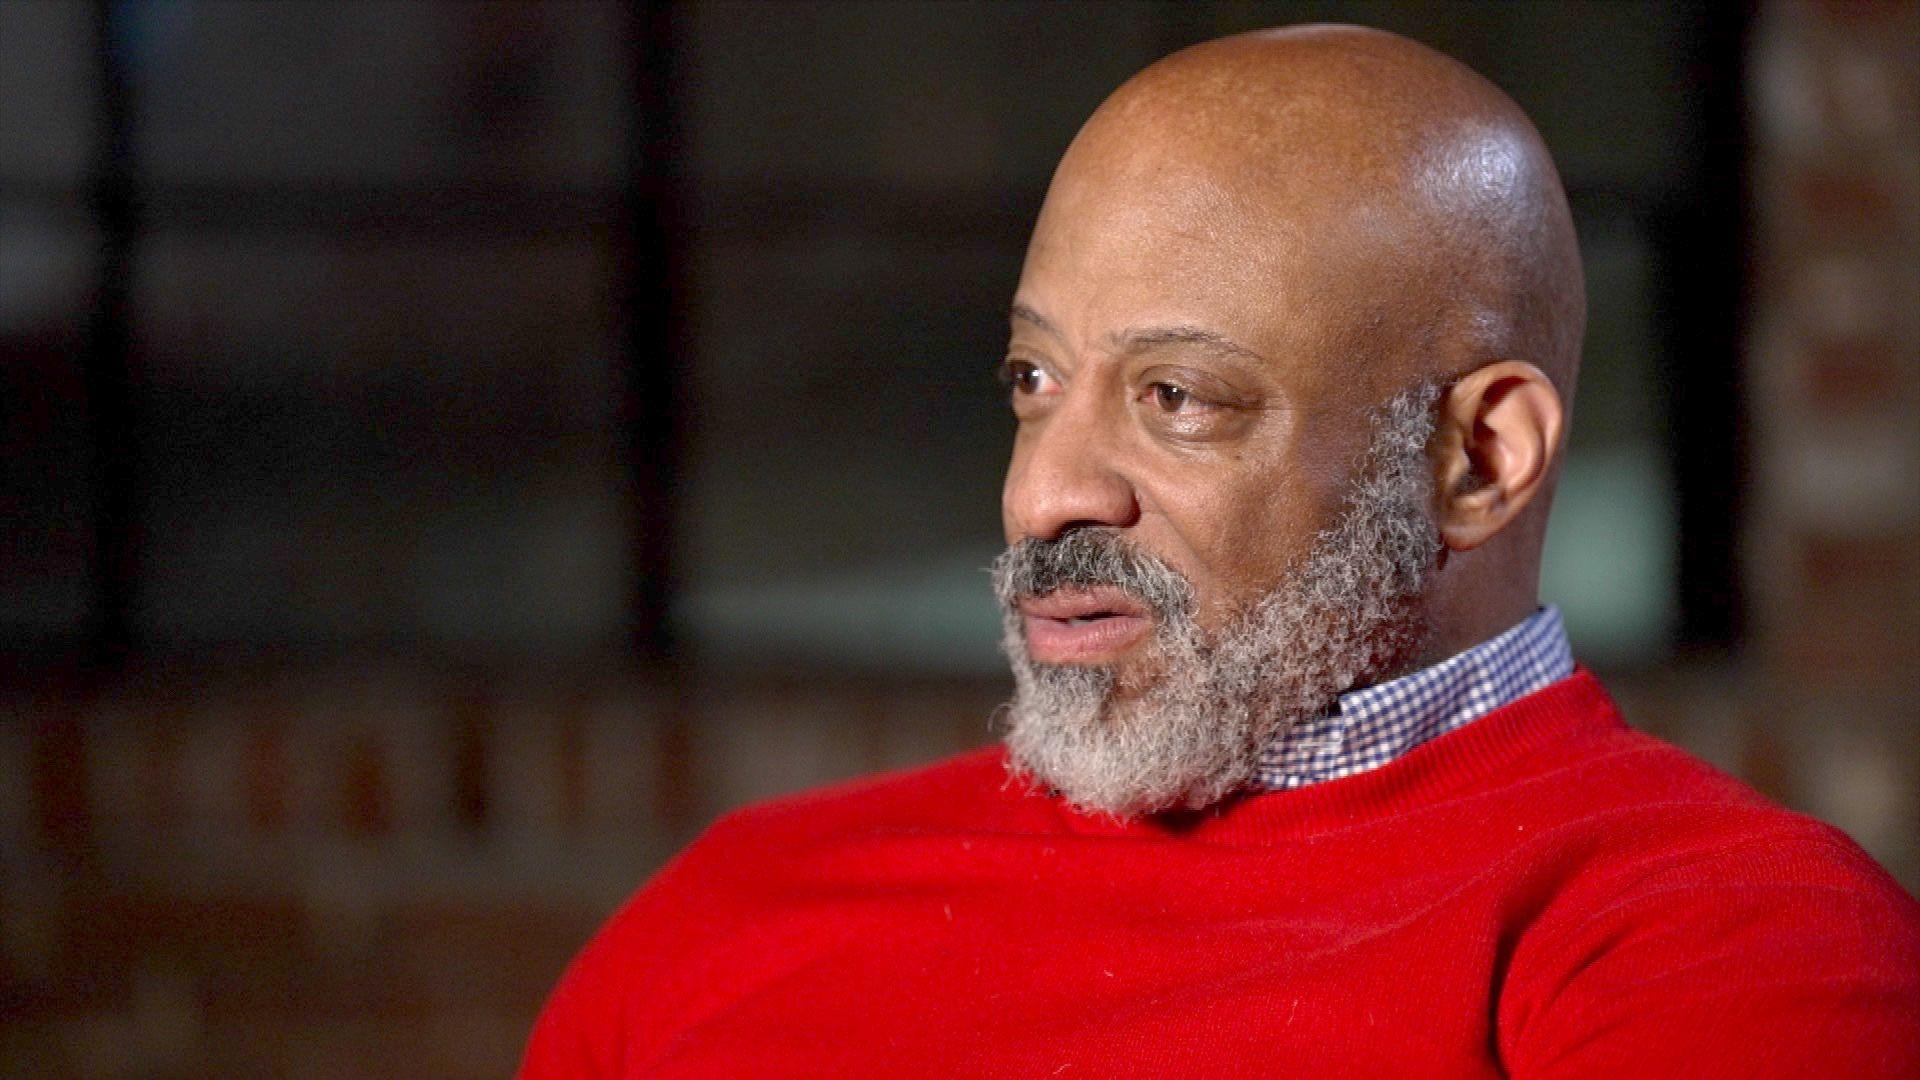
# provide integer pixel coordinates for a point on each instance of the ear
(1495, 439)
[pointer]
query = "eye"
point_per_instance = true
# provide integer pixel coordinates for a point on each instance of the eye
(1023, 377)
(1173, 398)
(1191, 405)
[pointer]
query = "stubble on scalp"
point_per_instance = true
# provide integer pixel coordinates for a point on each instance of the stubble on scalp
(1350, 614)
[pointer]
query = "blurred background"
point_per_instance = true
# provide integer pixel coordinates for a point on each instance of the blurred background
(454, 450)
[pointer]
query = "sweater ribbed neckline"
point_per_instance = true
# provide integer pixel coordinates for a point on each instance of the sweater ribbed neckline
(1574, 709)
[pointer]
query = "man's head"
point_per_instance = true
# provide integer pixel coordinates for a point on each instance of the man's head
(1289, 356)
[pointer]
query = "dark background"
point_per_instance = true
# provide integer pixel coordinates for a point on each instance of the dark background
(453, 450)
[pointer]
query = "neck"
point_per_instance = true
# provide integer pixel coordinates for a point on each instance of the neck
(1477, 595)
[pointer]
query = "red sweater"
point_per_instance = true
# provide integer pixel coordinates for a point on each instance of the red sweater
(1543, 892)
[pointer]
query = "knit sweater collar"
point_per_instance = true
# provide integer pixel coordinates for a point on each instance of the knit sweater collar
(1575, 708)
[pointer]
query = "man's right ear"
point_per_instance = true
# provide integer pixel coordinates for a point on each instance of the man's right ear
(1494, 442)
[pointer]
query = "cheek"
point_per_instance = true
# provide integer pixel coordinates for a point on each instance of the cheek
(1251, 551)
(1009, 531)
(1250, 537)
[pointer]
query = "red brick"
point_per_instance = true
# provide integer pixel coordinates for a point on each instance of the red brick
(367, 804)
(572, 739)
(1855, 376)
(1847, 199)
(1862, 641)
(267, 777)
(472, 723)
(460, 955)
(1865, 566)
(1864, 15)
(62, 821)
(1763, 761)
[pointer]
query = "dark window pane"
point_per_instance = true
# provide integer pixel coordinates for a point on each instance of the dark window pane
(356, 442)
(307, 92)
(915, 94)
(47, 93)
(849, 443)
(47, 489)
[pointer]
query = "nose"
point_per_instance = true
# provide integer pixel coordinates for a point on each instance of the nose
(1066, 473)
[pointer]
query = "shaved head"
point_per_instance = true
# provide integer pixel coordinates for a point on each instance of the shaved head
(1401, 162)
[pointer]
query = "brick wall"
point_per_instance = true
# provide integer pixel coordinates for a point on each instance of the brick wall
(1834, 389)
(354, 873)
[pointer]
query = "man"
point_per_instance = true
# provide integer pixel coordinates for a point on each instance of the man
(1297, 776)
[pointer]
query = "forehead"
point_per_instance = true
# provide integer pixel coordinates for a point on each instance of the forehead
(1126, 241)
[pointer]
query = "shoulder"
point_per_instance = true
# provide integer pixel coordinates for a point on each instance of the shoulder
(1639, 821)
(1583, 773)
(1664, 813)
(678, 937)
(737, 858)
(740, 857)
(1679, 908)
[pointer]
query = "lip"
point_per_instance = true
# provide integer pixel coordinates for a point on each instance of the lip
(1083, 626)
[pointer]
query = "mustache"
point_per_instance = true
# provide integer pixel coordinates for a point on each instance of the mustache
(1086, 558)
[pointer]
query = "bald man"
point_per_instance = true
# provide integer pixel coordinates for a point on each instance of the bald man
(1298, 776)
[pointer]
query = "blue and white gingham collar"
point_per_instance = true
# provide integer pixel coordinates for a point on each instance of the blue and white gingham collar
(1373, 725)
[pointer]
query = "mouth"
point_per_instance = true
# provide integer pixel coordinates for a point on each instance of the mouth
(1083, 626)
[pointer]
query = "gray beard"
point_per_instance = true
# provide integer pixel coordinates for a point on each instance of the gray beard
(1351, 614)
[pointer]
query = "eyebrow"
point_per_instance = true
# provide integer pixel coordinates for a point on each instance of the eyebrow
(1022, 311)
(1152, 337)
(1155, 337)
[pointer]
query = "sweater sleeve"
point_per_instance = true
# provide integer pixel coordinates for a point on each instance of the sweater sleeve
(1789, 955)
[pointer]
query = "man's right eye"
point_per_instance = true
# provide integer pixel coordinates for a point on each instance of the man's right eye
(1023, 377)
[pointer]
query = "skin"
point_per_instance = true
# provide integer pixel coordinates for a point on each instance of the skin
(1249, 246)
